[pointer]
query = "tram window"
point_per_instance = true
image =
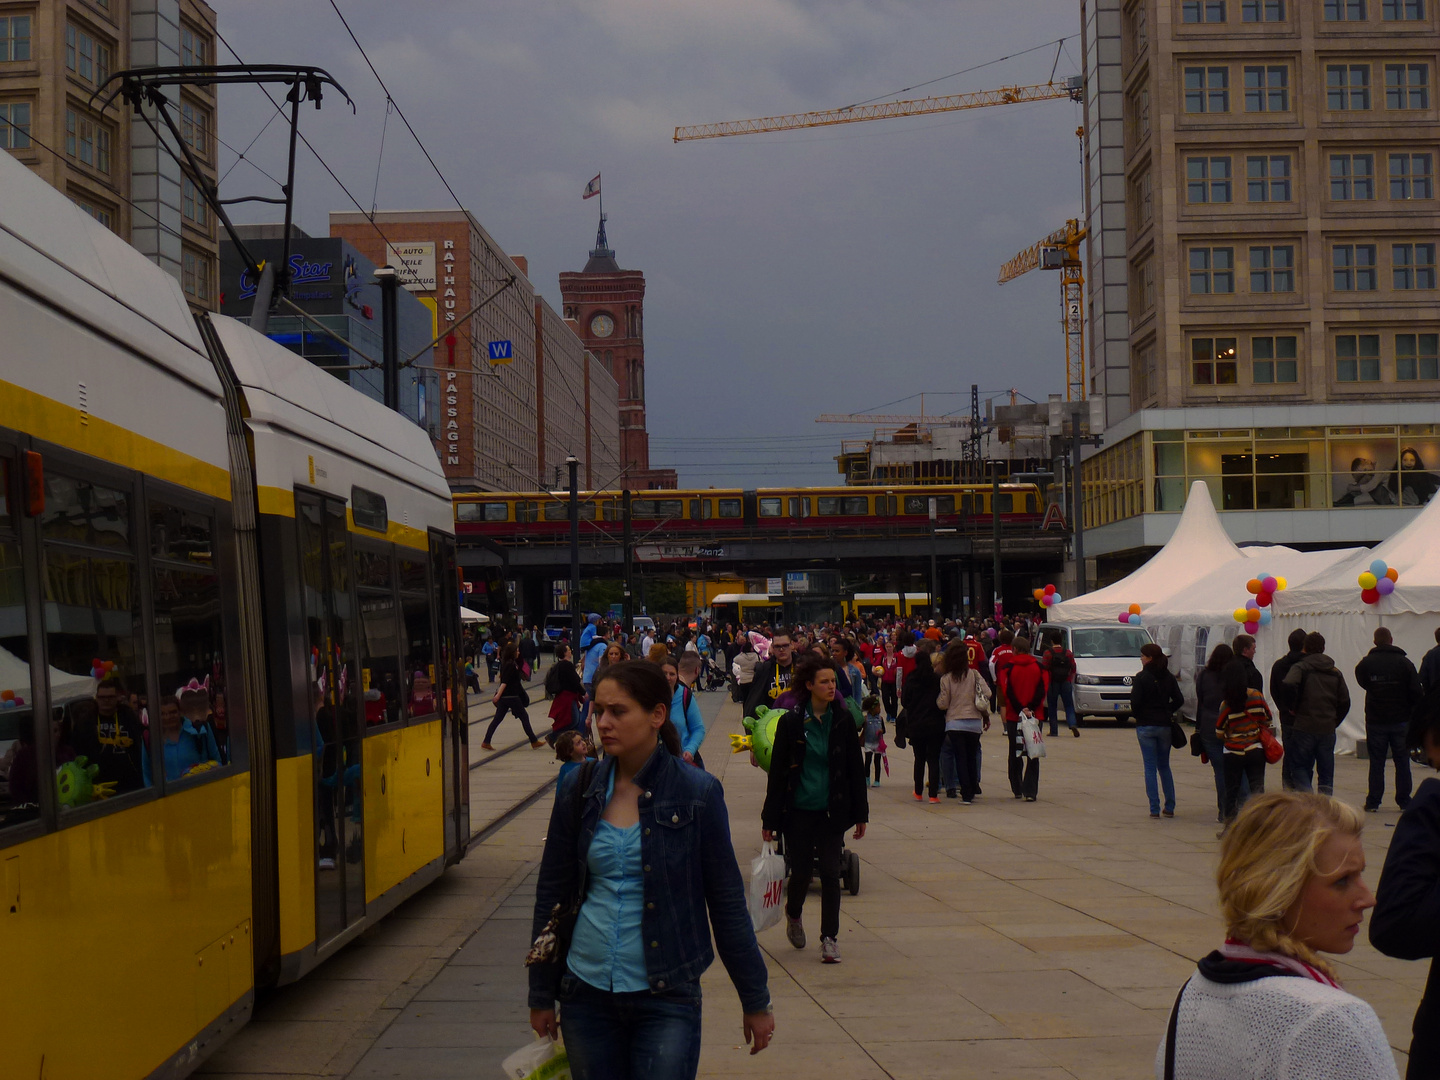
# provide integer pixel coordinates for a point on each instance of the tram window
(380, 681)
(190, 671)
(1004, 503)
(771, 507)
(701, 509)
(412, 576)
(372, 569)
(368, 509)
(799, 507)
(728, 508)
(526, 511)
(855, 506)
(85, 513)
(827, 506)
(419, 652)
(182, 535)
(20, 797)
(97, 669)
(5, 478)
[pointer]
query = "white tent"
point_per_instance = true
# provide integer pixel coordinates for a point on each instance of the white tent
(1200, 616)
(1330, 604)
(1198, 546)
(471, 615)
(15, 675)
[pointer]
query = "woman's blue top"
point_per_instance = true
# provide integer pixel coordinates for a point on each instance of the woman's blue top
(608, 950)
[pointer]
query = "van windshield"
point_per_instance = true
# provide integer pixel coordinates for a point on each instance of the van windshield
(1121, 641)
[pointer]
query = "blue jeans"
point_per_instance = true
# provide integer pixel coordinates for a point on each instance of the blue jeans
(1308, 752)
(640, 1036)
(1155, 754)
(1061, 692)
(1387, 741)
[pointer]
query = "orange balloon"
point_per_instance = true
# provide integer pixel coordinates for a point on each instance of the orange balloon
(1253, 586)
(1134, 609)
(1393, 574)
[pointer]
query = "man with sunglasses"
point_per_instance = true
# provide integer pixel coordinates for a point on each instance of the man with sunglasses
(772, 678)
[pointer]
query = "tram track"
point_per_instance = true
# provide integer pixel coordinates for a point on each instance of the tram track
(525, 801)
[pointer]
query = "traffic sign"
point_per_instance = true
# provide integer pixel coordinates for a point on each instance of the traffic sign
(501, 352)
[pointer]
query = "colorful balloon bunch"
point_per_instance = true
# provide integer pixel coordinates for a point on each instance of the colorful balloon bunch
(100, 669)
(10, 700)
(1378, 581)
(1256, 612)
(1131, 615)
(1047, 596)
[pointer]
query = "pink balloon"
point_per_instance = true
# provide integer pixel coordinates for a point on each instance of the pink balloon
(1251, 627)
(1124, 616)
(1270, 585)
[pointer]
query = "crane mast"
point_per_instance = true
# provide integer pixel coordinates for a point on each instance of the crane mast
(1061, 251)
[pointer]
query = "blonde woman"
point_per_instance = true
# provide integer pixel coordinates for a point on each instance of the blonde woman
(1266, 1004)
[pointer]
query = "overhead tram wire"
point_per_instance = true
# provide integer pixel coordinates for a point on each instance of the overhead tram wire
(962, 71)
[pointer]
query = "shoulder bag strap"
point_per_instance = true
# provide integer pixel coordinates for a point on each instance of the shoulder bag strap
(1170, 1034)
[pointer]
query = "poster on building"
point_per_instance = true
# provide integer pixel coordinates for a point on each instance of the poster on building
(1384, 472)
(774, 586)
(415, 262)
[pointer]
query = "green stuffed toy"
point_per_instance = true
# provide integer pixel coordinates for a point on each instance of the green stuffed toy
(75, 783)
(761, 738)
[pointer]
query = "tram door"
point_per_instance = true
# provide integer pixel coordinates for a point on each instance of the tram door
(335, 704)
(454, 733)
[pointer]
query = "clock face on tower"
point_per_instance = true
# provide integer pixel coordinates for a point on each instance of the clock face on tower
(602, 326)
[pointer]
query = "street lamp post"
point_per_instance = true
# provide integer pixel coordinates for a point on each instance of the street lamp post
(934, 575)
(574, 464)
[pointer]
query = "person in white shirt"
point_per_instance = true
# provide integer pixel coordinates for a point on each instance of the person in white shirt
(647, 643)
(1266, 1004)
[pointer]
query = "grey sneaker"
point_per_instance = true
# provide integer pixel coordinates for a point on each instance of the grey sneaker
(829, 950)
(794, 932)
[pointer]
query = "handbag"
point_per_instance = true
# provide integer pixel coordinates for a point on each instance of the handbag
(552, 944)
(1273, 750)
(1197, 747)
(1178, 739)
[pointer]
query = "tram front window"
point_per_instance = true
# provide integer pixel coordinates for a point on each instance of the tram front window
(419, 650)
(19, 768)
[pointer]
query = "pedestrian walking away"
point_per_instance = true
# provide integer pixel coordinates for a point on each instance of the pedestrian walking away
(1059, 665)
(964, 721)
(1284, 695)
(1406, 924)
(1154, 699)
(1243, 716)
(816, 791)
(1322, 701)
(510, 697)
(1209, 698)
(628, 978)
(872, 736)
(1021, 682)
(1392, 690)
(1266, 1003)
(1430, 666)
(923, 721)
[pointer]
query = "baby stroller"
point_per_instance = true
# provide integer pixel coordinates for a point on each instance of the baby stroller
(717, 677)
(849, 868)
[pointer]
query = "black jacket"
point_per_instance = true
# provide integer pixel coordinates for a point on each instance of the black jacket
(1322, 700)
(1391, 685)
(1209, 696)
(1253, 678)
(1406, 920)
(759, 691)
(849, 801)
(1155, 697)
(1284, 695)
(924, 719)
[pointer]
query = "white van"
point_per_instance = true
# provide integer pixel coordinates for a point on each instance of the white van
(1107, 659)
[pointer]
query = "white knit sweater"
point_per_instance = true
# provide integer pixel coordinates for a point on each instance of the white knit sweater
(1276, 1029)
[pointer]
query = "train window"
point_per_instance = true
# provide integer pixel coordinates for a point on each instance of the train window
(701, 509)
(771, 507)
(419, 653)
(5, 477)
(885, 505)
(944, 504)
(799, 507)
(1004, 503)
(527, 511)
(194, 734)
(380, 682)
(917, 504)
(855, 505)
(669, 508)
(496, 511)
(611, 510)
(728, 508)
(560, 511)
(972, 505)
(368, 509)
(181, 535)
(827, 506)
(20, 797)
(642, 508)
(480, 511)
(85, 513)
(467, 511)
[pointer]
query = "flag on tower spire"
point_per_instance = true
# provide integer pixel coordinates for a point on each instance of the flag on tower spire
(592, 188)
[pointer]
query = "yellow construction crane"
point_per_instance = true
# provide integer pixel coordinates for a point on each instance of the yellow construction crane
(1072, 88)
(1061, 251)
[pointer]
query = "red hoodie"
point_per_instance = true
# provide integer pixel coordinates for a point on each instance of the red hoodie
(1023, 681)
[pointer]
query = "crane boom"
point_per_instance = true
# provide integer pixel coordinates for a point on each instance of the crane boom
(1071, 88)
(1061, 251)
(1029, 259)
(928, 419)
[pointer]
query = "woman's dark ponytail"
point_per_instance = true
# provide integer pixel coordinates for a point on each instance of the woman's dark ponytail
(646, 683)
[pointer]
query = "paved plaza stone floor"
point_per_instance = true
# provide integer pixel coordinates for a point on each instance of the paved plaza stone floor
(1004, 939)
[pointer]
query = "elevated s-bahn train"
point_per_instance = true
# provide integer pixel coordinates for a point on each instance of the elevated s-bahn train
(718, 513)
(231, 705)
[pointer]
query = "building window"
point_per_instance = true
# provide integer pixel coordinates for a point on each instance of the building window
(14, 38)
(1142, 288)
(99, 213)
(1268, 178)
(1142, 376)
(1262, 11)
(1357, 358)
(193, 204)
(1410, 176)
(1402, 10)
(1272, 269)
(1267, 89)
(1407, 86)
(1207, 179)
(1344, 10)
(1417, 356)
(1354, 267)
(194, 48)
(1144, 194)
(1272, 360)
(1413, 265)
(86, 141)
(1212, 270)
(1212, 361)
(85, 56)
(1347, 87)
(1202, 11)
(14, 125)
(1207, 90)
(1140, 114)
(195, 277)
(1139, 27)
(195, 129)
(1352, 176)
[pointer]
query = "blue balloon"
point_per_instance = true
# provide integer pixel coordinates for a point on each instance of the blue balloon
(1134, 620)
(1264, 616)
(1378, 568)
(1055, 598)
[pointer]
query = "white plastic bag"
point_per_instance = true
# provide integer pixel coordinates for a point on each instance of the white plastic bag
(542, 1059)
(1033, 735)
(767, 887)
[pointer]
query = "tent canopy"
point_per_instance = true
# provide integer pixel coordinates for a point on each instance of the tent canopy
(1199, 546)
(1212, 599)
(471, 615)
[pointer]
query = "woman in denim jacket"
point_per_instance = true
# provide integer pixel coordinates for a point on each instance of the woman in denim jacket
(655, 867)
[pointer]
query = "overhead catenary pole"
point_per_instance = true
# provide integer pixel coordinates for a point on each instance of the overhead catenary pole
(934, 574)
(1077, 504)
(995, 535)
(390, 334)
(573, 463)
(629, 542)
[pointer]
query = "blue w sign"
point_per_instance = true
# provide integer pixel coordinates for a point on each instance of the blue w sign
(501, 350)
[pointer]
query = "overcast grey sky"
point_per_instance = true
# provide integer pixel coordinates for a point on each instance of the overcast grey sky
(828, 270)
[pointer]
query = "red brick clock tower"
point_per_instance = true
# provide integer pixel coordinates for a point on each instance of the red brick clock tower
(608, 304)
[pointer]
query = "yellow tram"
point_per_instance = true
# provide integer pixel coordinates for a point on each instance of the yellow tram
(232, 718)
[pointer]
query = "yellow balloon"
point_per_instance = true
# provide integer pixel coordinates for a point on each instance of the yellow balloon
(1282, 583)
(1240, 615)
(1367, 580)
